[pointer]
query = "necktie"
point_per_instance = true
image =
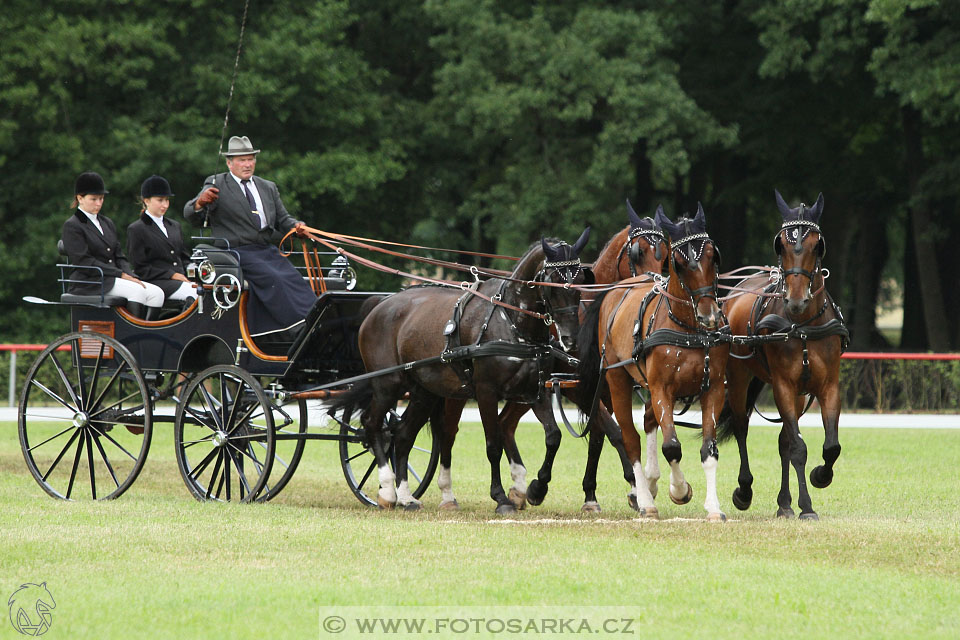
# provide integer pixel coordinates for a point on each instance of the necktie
(253, 203)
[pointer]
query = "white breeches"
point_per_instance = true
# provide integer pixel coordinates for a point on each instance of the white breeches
(186, 291)
(148, 294)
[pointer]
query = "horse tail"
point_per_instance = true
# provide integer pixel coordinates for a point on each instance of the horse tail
(588, 339)
(725, 429)
(358, 396)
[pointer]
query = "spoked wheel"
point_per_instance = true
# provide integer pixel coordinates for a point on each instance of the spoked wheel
(224, 435)
(85, 418)
(288, 447)
(360, 466)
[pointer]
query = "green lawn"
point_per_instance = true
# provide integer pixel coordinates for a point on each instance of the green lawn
(883, 562)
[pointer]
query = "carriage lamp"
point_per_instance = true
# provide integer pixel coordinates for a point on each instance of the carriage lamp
(207, 272)
(340, 268)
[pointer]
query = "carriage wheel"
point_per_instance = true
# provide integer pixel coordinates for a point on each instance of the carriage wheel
(85, 418)
(288, 448)
(360, 466)
(224, 435)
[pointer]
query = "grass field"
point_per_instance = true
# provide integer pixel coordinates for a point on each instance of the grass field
(883, 561)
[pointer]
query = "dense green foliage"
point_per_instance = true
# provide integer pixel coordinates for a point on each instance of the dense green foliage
(483, 124)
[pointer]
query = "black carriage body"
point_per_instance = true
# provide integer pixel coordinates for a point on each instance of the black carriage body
(326, 352)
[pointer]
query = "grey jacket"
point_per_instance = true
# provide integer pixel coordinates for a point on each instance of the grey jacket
(229, 216)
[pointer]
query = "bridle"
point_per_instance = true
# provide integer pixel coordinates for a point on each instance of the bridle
(569, 271)
(706, 291)
(654, 237)
(799, 230)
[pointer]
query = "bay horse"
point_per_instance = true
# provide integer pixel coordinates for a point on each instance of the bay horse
(424, 322)
(799, 353)
(667, 337)
(639, 248)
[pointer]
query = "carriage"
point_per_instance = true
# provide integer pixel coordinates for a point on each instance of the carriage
(240, 410)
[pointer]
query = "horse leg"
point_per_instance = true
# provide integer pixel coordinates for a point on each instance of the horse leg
(594, 447)
(652, 468)
(452, 410)
(420, 407)
(711, 403)
(737, 383)
(621, 396)
(793, 450)
(487, 403)
(551, 437)
(509, 420)
(384, 399)
(822, 475)
(662, 409)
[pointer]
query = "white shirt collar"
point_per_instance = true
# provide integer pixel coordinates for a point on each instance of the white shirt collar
(92, 217)
(158, 220)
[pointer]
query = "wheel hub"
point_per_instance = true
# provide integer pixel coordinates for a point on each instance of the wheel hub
(80, 419)
(219, 438)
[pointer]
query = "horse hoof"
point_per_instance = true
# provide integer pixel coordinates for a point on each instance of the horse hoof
(742, 498)
(685, 499)
(632, 501)
(411, 506)
(450, 505)
(536, 492)
(518, 499)
(809, 515)
(785, 512)
(649, 513)
(590, 507)
(718, 516)
(385, 504)
(506, 509)
(821, 477)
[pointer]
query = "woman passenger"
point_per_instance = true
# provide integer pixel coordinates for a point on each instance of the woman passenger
(90, 240)
(155, 244)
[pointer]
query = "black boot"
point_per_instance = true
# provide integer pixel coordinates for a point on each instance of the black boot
(136, 309)
(153, 314)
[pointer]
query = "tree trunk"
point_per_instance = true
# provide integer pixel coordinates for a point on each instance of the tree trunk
(934, 312)
(913, 335)
(871, 254)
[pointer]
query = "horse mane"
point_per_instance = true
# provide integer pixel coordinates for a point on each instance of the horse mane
(529, 262)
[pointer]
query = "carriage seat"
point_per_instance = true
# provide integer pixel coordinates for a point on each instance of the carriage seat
(224, 260)
(73, 298)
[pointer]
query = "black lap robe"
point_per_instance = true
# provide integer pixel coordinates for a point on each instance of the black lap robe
(282, 298)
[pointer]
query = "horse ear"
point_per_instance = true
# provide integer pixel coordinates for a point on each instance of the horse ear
(817, 209)
(785, 210)
(581, 242)
(660, 217)
(548, 251)
(701, 217)
(632, 216)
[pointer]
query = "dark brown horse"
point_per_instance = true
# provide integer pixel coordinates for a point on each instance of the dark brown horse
(425, 322)
(639, 248)
(666, 338)
(804, 337)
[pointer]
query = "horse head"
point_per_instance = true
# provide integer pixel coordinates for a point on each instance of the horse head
(695, 260)
(562, 266)
(647, 244)
(800, 247)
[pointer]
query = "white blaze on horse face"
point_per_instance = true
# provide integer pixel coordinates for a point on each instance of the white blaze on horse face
(519, 474)
(711, 503)
(388, 491)
(445, 484)
(644, 498)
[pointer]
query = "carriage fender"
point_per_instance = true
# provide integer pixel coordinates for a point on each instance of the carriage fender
(204, 351)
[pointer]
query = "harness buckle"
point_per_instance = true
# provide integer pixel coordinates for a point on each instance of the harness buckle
(547, 319)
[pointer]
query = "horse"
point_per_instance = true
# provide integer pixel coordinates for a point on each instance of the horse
(802, 338)
(506, 357)
(668, 338)
(636, 249)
